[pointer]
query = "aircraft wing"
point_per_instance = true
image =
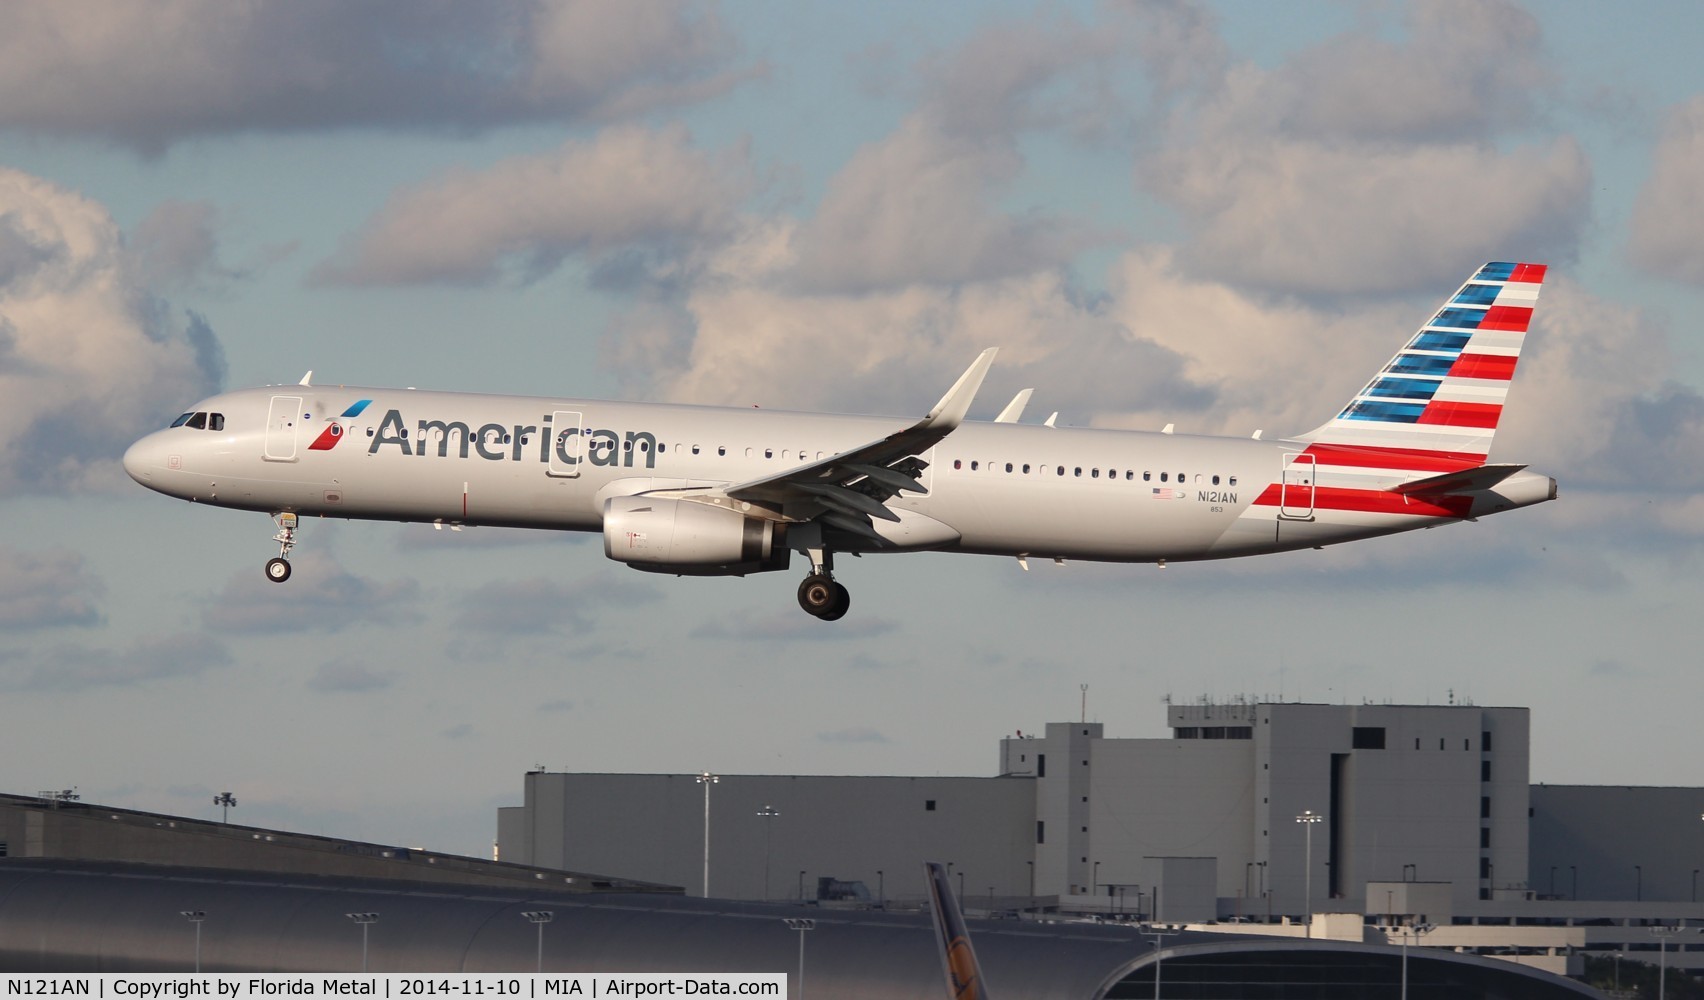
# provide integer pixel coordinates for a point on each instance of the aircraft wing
(850, 487)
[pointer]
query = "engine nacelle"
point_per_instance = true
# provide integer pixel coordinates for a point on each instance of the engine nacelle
(679, 536)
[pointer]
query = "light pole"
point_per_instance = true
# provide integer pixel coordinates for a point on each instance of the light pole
(801, 924)
(1032, 880)
(768, 813)
(539, 918)
(1415, 931)
(196, 917)
(961, 885)
(1094, 879)
(1662, 934)
(881, 889)
(1157, 933)
(366, 920)
(1308, 819)
(227, 800)
(801, 885)
(707, 779)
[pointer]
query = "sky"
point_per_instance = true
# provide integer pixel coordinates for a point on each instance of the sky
(1220, 215)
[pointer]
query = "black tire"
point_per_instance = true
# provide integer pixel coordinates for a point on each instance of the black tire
(841, 604)
(816, 594)
(278, 570)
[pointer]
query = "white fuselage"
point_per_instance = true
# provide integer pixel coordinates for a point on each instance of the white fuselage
(998, 488)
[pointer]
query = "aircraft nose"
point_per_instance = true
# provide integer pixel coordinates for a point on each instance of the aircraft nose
(143, 458)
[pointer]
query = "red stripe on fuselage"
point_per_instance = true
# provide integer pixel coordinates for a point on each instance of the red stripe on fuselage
(1406, 459)
(1367, 501)
(1487, 366)
(1450, 414)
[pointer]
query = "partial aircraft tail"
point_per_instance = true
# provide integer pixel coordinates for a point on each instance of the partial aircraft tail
(952, 937)
(1436, 405)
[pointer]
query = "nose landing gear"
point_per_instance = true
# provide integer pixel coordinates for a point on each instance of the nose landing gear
(820, 594)
(278, 570)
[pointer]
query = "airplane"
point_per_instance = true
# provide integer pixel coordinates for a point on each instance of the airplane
(715, 491)
(952, 937)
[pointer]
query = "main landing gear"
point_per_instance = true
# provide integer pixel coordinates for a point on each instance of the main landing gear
(819, 594)
(278, 570)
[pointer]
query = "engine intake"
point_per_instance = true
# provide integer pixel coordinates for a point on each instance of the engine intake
(679, 536)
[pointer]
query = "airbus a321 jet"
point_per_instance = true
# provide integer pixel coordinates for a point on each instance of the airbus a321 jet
(697, 490)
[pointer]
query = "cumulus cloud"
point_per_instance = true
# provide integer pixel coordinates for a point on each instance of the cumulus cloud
(90, 356)
(177, 246)
(1374, 165)
(71, 668)
(630, 189)
(151, 75)
(321, 596)
(917, 208)
(921, 206)
(1664, 238)
(896, 351)
(1295, 215)
(44, 589)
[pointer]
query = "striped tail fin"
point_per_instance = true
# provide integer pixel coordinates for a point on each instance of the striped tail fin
(1442, 396)
(952, 938)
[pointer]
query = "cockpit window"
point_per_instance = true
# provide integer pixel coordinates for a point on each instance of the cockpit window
(201, 421)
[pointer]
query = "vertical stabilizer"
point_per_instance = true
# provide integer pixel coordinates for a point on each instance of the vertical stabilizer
(958, 958)
(1442, 395)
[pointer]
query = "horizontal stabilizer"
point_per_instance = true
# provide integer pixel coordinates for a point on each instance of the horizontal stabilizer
(1458, 483)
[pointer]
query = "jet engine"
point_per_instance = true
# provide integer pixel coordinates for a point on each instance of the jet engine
(690, 539)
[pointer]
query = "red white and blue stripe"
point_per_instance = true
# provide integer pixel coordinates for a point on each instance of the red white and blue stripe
(1433, 408)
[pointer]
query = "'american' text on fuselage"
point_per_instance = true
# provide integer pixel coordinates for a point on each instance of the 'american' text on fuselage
(503, 442)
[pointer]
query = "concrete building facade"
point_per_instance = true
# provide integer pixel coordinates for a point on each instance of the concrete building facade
(1434, 793)
(1426, 814)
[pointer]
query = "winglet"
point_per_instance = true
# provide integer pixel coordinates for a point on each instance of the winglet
(952, 937)
(307, 379)
(950, 411)
(1015, 408)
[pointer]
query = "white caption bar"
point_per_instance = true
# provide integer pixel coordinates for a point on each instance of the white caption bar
(438, 986)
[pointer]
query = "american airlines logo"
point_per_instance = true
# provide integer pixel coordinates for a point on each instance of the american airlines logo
(333, 432)
(507, 442)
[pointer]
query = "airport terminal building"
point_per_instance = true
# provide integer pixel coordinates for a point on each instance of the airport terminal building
(1252, 811)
